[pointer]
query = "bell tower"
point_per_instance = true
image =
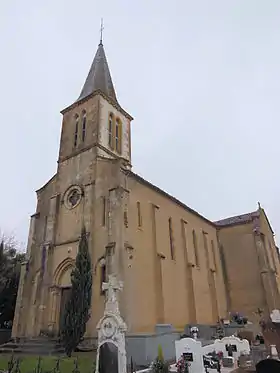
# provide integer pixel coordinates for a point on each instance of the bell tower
(94, 157)
(88, 189)
(96, 119)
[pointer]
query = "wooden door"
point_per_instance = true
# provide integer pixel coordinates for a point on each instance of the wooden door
(65, 292)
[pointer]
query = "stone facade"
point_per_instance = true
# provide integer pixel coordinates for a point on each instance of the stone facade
(167, 255)
(251, 264)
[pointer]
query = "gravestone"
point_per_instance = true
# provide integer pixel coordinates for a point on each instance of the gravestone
(275, 316)
(245, 361)
(228, 362)
(274, 352)
(192, 351)
(232, 346)
(111, 354)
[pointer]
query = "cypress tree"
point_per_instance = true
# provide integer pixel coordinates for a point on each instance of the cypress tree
(77, 308)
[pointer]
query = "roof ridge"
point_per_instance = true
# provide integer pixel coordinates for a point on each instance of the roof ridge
(237, 215)
(236, 219)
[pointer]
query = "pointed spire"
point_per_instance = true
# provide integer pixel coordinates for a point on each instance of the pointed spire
(99, 77)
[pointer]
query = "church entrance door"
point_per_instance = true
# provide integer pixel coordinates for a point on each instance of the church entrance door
(65, 292)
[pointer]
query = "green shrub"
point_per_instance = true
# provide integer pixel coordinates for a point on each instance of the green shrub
(77, 308)
(160, 365)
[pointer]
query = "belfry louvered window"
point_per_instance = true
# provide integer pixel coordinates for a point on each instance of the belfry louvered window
(84, 123)
(111, 130)
(76, 130)
(118, 136)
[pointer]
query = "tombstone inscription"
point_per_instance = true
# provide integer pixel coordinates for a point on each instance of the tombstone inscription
(188, 356)
(230, 349)
(108, 358)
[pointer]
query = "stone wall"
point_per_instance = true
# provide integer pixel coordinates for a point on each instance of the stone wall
(179, 269)
(143, 348)
(251, 266)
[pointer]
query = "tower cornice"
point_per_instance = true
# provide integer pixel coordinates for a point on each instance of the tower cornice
(95, 93)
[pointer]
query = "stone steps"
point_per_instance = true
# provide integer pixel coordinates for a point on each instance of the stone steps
(36, 346)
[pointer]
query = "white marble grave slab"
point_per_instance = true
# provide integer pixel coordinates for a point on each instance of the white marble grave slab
(242, 346)
(191, 346)
(275, 316)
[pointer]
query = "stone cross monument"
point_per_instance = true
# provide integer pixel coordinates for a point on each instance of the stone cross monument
(111, 353)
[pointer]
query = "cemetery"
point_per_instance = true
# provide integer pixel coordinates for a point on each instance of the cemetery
(228, 346)
(190, 353)
(201, 348)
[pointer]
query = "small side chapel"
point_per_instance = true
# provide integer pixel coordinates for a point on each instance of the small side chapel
(165, 253)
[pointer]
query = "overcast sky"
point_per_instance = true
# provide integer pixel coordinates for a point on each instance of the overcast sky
(201, 78)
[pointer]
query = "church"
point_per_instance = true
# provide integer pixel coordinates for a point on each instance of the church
(177, 266)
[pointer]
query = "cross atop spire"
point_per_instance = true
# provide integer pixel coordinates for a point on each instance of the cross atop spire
(101, 32)
(99, 77)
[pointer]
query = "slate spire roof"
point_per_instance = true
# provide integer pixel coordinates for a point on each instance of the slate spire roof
(99, 77)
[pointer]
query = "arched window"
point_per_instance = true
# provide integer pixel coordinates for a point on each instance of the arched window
(84, 123)
(214, 255)
(76, 130)
(196, 257)
(111, 130)
(171, 239)
(118, 136)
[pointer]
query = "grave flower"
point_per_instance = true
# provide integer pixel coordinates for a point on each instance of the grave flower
(182, 365)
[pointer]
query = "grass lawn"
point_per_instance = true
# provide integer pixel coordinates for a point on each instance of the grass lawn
(28, 363)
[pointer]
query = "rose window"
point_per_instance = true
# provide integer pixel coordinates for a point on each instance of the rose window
(73, 197)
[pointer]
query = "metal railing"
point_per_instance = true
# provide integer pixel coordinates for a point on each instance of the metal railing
(14, 365)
